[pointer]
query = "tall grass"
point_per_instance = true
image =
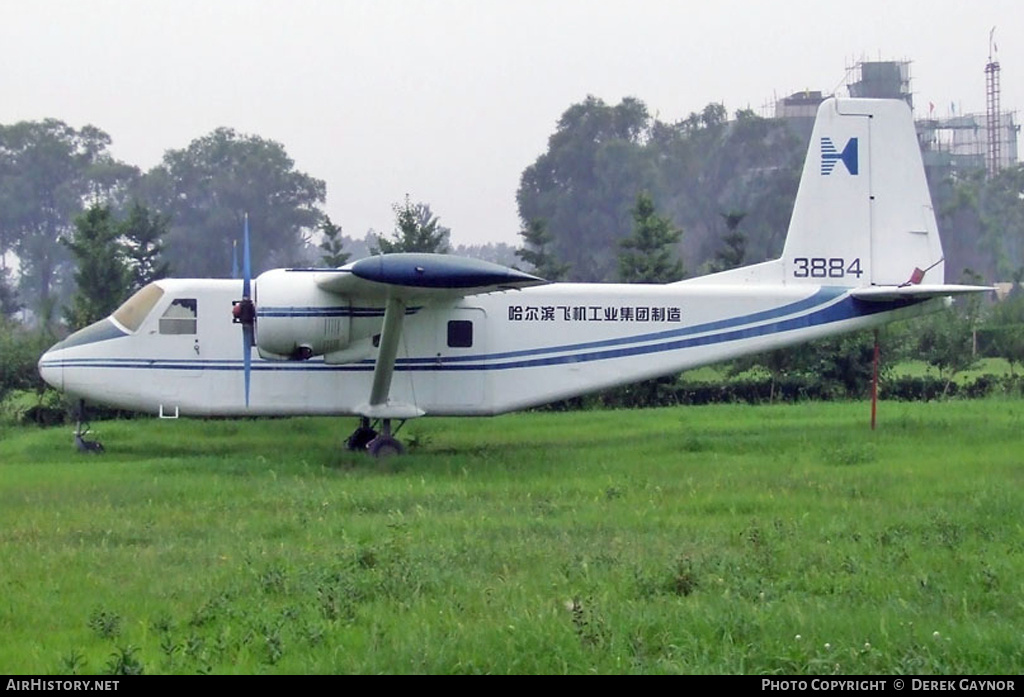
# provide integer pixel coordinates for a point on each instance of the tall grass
(725, 539)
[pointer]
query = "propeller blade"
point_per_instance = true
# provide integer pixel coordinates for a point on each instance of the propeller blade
(247, 357)
(245, 311)
(246, 265)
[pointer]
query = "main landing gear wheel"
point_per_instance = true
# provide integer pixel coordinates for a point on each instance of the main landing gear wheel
(361, 437)
(385, 446)
(382, 444)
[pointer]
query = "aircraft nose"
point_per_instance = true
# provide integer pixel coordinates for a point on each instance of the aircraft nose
(51, 369)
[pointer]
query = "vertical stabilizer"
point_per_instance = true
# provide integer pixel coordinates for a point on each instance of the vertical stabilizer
(863, 214)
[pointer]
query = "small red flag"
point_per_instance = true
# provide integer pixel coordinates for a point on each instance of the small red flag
(916, 277)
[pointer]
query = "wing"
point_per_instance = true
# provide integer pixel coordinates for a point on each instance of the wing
(398, 279)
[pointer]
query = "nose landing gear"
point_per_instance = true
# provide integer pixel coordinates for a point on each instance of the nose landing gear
(81, 430)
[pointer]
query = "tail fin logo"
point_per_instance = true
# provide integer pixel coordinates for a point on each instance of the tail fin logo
(830, 155)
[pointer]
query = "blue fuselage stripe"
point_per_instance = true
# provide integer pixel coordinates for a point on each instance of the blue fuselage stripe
(292, 312)
(819, 298)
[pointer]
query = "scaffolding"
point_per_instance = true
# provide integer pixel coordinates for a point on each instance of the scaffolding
(994, 160)
(958, 142)
(881, 80)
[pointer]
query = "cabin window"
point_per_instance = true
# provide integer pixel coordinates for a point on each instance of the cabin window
(137, 308)
(460, 333)
(179, 317)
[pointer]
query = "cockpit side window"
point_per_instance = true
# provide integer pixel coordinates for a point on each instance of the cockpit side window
(179, 317)
(136, 308)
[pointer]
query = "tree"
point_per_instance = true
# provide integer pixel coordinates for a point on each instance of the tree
(102, 274)
(586, 182)
(536, 251)
(208, 187)
(1005, 325)
(982, 222)
(8, 296)
(500, 253)
(843, 365)
(48, 172)
(731, 255)
(332, 244)
(646, 258)
(647, 255)
(946, 338)
(707, 164)
(142, 236)
(1004, 219)
(18, 356)
(417, 229)
(834, 367)
(602, 156)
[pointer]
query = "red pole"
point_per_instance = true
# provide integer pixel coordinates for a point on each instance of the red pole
(874, 385)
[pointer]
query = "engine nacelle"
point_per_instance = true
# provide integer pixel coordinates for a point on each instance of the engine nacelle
(296, 319)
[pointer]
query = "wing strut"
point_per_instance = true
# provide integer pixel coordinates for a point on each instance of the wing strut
(380, 407)
(391, 332)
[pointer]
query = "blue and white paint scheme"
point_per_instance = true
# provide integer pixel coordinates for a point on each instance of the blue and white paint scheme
(407, 335)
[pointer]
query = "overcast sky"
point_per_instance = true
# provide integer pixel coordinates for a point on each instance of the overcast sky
(449, 100)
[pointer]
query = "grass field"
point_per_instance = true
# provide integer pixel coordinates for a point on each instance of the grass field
(996, 367)
(727, 539)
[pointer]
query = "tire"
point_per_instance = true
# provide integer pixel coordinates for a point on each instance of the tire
(385, 446)
(360, 439)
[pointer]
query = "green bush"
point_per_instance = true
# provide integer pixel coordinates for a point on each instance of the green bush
(20, 349)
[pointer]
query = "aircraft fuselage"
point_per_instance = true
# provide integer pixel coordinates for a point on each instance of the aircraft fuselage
(476, 355)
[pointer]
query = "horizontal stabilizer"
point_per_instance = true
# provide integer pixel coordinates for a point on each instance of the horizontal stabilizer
(911, 292)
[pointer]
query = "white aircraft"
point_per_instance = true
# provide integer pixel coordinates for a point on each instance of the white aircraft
(399, 336)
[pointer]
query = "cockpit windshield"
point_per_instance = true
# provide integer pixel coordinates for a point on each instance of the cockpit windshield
(135, 309)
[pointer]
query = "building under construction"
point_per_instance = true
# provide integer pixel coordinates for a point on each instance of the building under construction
(953, 142)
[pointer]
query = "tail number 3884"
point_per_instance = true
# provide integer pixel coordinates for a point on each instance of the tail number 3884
(820, 267)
